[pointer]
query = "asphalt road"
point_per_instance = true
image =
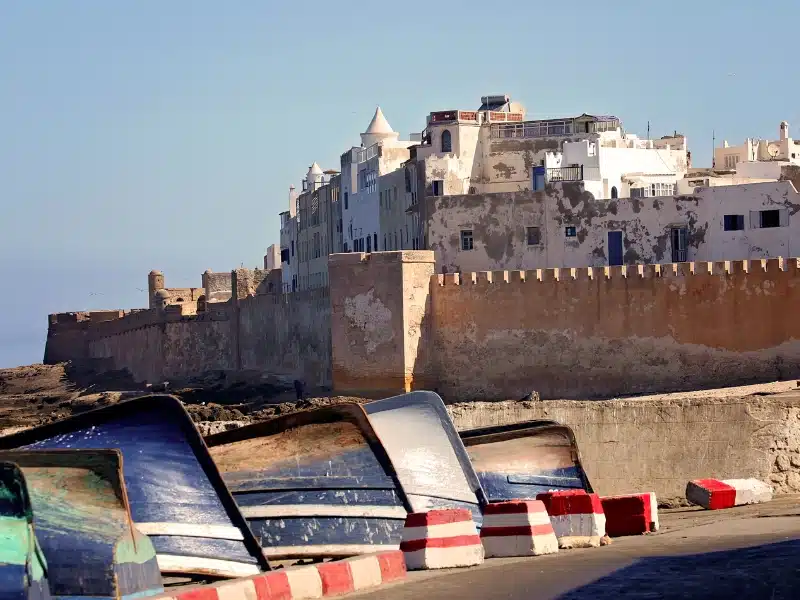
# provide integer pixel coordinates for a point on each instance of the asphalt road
(744, 553)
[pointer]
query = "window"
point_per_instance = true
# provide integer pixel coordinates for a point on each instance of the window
(285, 255)
(292, 247)
(614, 193)
(345, 200)
(770, 218)
(534, 236)
(375, 241)
(384, 242)
(447, 141)
(466, 239)
(731, 160)
(570, 232)
(369, 243)
(408, 180)
(438, 187)
(733, 222)
(679, 237)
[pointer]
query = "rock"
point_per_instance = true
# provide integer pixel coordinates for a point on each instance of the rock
(778, 478)
(532, 397)
(795, 460)
(794, 481)
(782, 462)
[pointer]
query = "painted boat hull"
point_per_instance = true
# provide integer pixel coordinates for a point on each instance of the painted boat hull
(84, 524)
(23, 568)
(432, 466)
(313, 484)
(522, 460)
(177, 496)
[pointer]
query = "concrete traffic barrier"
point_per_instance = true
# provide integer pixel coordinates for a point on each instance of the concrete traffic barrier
(310, 581)
(441, 539)
(630, 514)
(577, 518)
(714, 494)
(517, 528)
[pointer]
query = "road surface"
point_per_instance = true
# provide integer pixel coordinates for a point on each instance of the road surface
(744, 553)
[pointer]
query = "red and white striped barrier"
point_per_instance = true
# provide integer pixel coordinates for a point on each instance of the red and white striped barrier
(440, 539)
(296, 583)
(714, 494)
(630, 514)
(517, 528)
(577, 518)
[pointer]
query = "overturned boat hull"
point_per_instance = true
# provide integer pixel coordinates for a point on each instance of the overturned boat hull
(313, 484)
(432, 466)
(23, 568)
(84, 524)
(176, 494)
(522, 460)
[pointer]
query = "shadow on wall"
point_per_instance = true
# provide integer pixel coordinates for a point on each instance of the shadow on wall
(766, 571)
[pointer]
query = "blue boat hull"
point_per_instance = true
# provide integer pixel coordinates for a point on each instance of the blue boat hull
(314, 484)
(522, 460)
(23, 568)
(84, 524)
(176, 494)
(422, 443)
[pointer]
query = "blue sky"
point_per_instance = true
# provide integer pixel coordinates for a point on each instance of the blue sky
(141, 135)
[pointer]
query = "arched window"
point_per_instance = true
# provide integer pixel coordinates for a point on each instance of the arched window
(614, 193)
(447, 141)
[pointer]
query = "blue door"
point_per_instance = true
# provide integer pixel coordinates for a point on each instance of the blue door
(614, 248)
(538, 178)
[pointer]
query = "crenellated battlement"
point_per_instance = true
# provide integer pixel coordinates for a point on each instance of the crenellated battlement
(649, 271)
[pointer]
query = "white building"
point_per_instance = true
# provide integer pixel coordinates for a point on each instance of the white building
(272, 259)
(288, 244)
(495, 150)
(757, 150)
(381, 152)
(613, 164)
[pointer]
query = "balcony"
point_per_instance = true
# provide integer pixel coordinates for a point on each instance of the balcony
(576, 173)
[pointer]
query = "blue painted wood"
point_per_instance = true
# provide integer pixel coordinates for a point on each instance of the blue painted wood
(327, 531)
(84, 525)
(169, 475)
(433, 467)
(358, 476)
(501, 486)
(332, 497)
(546, 449)
(23, 568)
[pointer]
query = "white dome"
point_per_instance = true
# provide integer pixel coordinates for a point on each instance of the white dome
(378, 129)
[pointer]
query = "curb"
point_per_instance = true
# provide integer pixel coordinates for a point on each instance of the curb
(714, 494)
(441, 539)
(577, 517)
(296, 583)
(630, 514)
(517, 528)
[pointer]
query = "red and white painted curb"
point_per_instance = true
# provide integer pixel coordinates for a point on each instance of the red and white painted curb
(296, 583)
(441, 539)
(714, 494)
(630, 514)
(517, 528)
(577, 518)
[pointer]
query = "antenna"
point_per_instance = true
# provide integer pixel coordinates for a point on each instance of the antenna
(713, 147)
(648, 130)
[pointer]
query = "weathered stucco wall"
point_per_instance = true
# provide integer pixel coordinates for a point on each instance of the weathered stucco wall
(287, 335)
(379, 319)
(273, 333)
(634, 445)
(587, 333)
(499, 225)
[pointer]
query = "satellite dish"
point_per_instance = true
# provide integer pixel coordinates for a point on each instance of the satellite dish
(773, 150)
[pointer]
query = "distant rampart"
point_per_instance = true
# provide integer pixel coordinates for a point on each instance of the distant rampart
(389, 324)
